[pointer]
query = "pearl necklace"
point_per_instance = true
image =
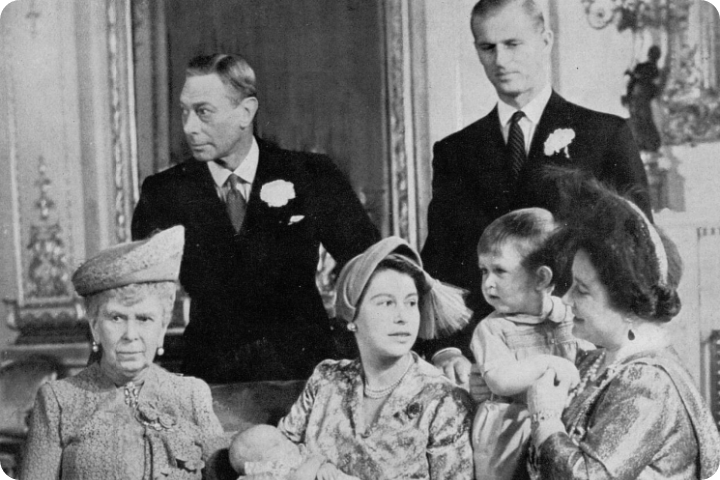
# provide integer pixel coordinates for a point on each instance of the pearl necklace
(384, 392)
(590, 376)
(575, 429)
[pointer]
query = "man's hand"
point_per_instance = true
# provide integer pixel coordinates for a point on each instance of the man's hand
(455, 366)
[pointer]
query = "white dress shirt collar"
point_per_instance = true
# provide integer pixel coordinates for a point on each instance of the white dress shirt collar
(533, 112)
(246, 171)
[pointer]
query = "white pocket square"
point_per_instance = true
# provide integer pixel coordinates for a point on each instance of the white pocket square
(295, 219)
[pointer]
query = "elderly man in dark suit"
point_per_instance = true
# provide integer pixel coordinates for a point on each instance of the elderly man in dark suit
(497, 164)
(255, 216)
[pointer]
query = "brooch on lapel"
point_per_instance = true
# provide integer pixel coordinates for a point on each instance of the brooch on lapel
(277, 193)
(559, 140)
(413, 410)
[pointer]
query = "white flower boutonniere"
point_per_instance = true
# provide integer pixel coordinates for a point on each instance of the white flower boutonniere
(558, 141)
(277, 193)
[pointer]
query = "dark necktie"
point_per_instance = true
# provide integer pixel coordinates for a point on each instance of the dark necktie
(235, 202)
(516, 146)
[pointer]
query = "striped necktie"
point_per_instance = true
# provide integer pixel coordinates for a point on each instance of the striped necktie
(516, 146)
(235, 202)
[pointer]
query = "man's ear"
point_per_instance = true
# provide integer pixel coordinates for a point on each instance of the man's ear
(544, 277)
(549, 39)
(248, 108)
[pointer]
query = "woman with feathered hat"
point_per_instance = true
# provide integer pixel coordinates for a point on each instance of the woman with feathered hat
(388, 414)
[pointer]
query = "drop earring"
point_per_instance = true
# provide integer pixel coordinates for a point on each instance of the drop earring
(352, 327)
(95, 347)
(631, 335)
(160, 351)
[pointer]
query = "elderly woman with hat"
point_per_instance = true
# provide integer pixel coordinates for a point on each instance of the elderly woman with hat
(388, 414)
(123, 416)
(636, 413)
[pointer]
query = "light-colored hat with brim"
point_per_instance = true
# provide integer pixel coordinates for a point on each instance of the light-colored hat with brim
(156, 259)
(442, 311)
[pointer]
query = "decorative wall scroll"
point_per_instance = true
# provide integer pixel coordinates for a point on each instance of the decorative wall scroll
(47, 240)
(691, 110)
(48, 311)
(690, 100)
(637, 14)
(48, 269)
(44, 306)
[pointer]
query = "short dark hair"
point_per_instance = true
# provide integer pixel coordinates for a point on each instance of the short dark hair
(486, 7)
(618, 242)
(528, 229)
(233, 70)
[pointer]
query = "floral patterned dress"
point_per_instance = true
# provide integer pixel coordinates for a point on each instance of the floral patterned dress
(82, 428)
(422, 432)
(641, 419)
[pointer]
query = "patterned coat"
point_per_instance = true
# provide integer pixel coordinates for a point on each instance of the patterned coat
(423, 431)
(81, 428)
(642, 419)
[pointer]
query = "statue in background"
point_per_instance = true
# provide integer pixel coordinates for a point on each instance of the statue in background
(646, 82)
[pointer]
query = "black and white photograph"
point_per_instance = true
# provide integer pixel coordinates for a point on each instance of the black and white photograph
(359, 239)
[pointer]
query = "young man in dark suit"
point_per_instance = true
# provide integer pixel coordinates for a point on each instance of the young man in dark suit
(497, 164)
(255, 216)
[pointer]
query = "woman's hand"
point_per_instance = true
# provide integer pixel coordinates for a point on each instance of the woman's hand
(565, 371)
(455, 367)
(546, 402)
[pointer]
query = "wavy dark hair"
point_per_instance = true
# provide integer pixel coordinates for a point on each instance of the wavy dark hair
(233, 70)
(613, 233)
(485, 8)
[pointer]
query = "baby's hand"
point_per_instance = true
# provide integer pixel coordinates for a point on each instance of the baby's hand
(328, 471)
(565, 371)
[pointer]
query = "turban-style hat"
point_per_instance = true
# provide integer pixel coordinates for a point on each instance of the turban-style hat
(442, 310)
(156, 259)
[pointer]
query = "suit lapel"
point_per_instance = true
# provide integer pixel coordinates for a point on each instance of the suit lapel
(271, 166)
(201, 198)
(204, 205)
(494, 169)
(494, 143)
(554, 116)
(532, 190)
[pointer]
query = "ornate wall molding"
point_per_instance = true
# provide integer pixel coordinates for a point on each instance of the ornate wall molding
(404, 168)
(48, 269)
(691, 111)
(637, 15)
(690, 106)
(122, 111)
(46, 309)
(41, 179)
